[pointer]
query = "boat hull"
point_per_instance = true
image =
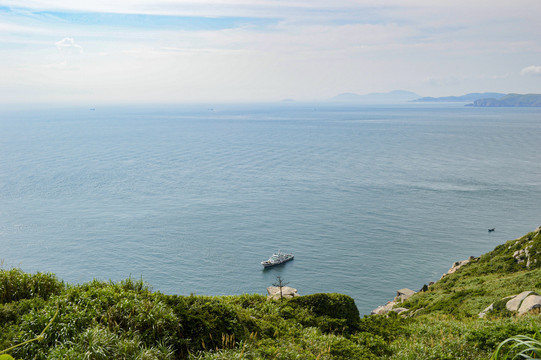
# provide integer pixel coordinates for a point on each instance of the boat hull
(267, 264)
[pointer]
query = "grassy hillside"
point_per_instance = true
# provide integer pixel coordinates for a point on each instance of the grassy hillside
(509, 269)
(126, 320)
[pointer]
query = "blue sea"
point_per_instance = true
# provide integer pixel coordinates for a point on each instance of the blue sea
(369, 198)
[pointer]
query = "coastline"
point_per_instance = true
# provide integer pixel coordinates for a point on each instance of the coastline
(404, 294)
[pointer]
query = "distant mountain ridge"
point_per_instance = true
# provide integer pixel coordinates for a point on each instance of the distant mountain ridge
(510, 100)
(463, 98)
(392, 96)
(486, 99)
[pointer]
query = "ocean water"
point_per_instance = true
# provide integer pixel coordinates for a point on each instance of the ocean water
(370, 199)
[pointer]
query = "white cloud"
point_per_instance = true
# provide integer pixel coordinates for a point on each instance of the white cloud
(69, 50)
(531, 71)
(308, 49)
(68, 44)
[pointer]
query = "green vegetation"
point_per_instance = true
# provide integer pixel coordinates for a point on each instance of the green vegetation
(507, 270)
(43, 318)
(104, 320)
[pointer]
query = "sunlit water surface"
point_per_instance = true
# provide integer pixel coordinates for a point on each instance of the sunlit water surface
(370, 199)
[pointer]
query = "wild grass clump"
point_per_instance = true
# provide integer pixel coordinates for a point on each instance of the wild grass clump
(16, 285)
(308, 343)
(445, 337)
(98, 305)
(100, 343)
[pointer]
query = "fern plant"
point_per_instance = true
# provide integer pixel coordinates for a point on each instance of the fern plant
(520, 347)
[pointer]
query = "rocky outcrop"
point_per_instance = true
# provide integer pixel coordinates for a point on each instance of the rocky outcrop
(514, 303)
(399, 310)
(489, 309)
(457, 265)
(273, 292)
(524, 251)
(522, 303)
(403, 295)
(383, 309)
(524, 255)
(530, 303)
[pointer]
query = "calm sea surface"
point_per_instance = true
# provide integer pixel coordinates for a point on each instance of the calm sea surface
(370, 199)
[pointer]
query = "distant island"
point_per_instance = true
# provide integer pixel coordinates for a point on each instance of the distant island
(510, 100)
(485, 99)
(387, 97)
(462, 98)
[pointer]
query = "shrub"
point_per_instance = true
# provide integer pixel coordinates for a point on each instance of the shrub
(345, 349)
(331, 306)
(12, 312)
(375, 343)
(387, 327)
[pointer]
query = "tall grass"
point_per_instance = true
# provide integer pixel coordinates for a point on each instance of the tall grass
(16, 285)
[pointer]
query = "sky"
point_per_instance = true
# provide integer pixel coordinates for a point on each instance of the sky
(176, 51)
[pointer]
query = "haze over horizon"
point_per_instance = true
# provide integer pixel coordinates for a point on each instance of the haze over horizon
(235, 50)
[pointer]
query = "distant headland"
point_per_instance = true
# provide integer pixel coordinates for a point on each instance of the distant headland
(490, 99)
(510, 100)
(485, 99)
(462, 98)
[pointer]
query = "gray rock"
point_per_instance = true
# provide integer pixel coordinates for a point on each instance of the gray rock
(287, 292)
(399, 310)
(403, 294)
(457, 265)
(514, 303)
(377, 311)
(531, 302)
(483, 313)
(384, 309)
(416, 312)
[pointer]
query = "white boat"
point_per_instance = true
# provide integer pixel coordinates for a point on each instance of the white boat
(276, 259)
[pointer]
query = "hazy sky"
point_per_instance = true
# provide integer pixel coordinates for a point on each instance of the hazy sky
(80, 51)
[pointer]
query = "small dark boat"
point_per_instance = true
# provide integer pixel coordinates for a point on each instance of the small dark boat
(491, 230)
